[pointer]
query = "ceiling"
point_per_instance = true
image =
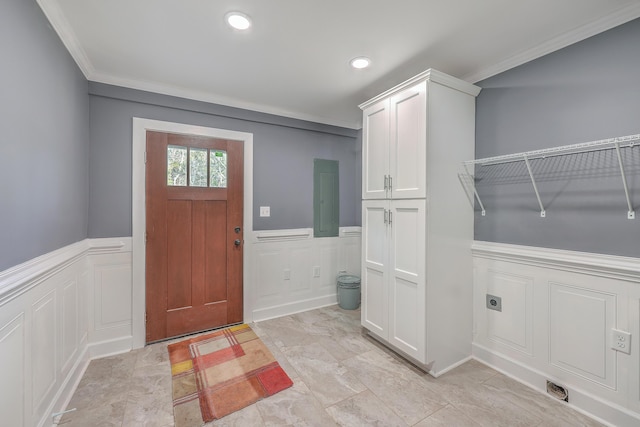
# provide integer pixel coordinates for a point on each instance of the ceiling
(294, 60)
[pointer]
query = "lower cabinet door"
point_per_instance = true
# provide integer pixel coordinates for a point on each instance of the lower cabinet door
(375, 254)
(406, 284)
(393, 273)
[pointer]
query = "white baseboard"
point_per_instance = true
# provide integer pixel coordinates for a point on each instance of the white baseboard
(292, 308)
(69, 386)
(111, 347)
(450, 367)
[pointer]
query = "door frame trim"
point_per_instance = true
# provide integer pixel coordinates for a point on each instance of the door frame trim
(138, 210)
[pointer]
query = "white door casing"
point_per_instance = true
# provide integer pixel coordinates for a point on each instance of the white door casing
(138, 206)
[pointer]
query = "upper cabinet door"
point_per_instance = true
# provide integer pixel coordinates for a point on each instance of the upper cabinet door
(408, 143)
(375, 151)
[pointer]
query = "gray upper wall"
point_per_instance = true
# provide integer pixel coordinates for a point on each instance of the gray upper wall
(584, 92)
(283, 151)
(44, 118)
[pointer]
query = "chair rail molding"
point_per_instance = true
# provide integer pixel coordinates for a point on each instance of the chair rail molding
(611, 266)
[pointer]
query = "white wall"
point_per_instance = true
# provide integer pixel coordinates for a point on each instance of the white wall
(60, 310)
(558, 310)
(57, 312)
(283, 263)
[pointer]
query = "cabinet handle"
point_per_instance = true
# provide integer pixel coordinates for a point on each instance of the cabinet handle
(386, 182)
(390, 213)
(390, 182)
(386, 216)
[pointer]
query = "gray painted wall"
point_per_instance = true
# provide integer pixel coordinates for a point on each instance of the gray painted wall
(44, 118)
(587, 91)
(284, 150)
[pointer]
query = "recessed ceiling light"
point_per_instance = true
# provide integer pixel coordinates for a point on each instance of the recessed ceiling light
(360, 62)
(238, 20)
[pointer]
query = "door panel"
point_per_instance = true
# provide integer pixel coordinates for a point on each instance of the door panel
(408, 143)
(407, 285)
(194, 204)
(375, 314)
(375, 150)
(178, 254)
(215, 225)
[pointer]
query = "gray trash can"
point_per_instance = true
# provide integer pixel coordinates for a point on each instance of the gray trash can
(348, 292)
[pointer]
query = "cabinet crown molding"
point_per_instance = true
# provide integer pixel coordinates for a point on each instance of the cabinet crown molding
(431, 75)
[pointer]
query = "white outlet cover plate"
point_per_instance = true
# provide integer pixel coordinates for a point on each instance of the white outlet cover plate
(621, 341)
(265, 211)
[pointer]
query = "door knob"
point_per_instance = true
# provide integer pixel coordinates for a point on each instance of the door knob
(237, 242)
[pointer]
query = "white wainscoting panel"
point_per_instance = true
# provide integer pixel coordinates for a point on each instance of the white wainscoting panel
(60, 310)
(558, 311)
(513, 326)
(112, 282)
(44, 349)
(579, 322)
(291, 271)
(110, 313)
(70, 324)
(48, 322)
(13, 406)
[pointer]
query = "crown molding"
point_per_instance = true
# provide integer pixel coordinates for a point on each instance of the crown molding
(431, 75)
(61, 26)
(56, 17)
(576, 35)
(211, 98)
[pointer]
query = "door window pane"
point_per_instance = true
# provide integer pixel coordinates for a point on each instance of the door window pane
(198, 167)
(176, 166)
(218, 169)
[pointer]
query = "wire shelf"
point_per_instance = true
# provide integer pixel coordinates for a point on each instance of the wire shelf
(580, 160)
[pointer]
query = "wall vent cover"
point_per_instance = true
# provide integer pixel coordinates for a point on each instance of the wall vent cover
(557, 391)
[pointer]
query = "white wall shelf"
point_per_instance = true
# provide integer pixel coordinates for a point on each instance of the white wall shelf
(620, 146)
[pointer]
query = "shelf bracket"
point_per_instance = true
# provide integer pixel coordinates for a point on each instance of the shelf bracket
(543, 213)
(630, 213)
(475, 192)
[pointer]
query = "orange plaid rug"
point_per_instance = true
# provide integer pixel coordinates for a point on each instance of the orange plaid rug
(219, 373)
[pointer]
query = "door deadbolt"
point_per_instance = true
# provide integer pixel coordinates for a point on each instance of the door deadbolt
(237, 230)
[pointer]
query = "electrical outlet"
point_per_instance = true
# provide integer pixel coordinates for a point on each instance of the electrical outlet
(494, 302)
(265, 211)
(287, 274)
(316, 271)
(621, 341)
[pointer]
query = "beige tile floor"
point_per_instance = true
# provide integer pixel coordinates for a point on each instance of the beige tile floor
(341, 378)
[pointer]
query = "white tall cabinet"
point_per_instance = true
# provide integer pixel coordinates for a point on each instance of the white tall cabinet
(417, 225)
